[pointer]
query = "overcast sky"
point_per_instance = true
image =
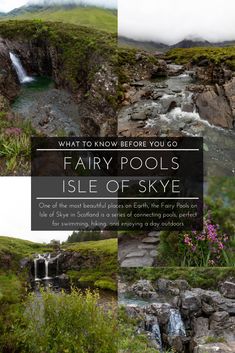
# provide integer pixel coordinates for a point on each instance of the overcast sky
(15, 211)
(8, 5)
(170, 21)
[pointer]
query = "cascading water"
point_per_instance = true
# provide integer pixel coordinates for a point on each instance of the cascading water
(21, 73)
(176, 326)
(47, 260)
(153, 327)
(42, 265)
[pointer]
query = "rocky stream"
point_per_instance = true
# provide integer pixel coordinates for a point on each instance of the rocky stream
(177, 317)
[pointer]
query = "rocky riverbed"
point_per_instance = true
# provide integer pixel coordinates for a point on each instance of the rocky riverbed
(184, 101)
(176, 316)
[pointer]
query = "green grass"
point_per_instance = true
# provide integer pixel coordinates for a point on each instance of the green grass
(21, 248)
(10, 288)
(214, 55)
(101, 275)
(102, 246)
(68, 323)
(98, 18)
(211, 339)
(206, 278)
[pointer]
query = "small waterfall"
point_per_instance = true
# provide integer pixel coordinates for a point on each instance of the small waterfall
(176, 326)
(153, 327)
(35, 270)
(21, 73)
(46, 269)
(157, 334)
(42, 264)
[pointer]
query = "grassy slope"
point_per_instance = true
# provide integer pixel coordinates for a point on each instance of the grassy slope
(195, 55)
(19, 248)
(102, 19)
(104, 274)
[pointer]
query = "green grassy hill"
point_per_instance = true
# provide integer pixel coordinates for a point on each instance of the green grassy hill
(99, 18)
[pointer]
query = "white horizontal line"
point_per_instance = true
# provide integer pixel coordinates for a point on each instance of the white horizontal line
(117, 198)
(116, 149)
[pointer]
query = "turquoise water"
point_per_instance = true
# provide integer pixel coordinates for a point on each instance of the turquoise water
(30, 93)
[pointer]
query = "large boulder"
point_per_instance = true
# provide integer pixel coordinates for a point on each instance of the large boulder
(229, 89)
(214, 107)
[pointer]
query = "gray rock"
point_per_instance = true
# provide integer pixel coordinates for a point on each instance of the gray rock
(153, 253)
(138, 262)
(137, 254)
(154, 234)
(228, 289)
(151, 240)
(147, 246)
(139, 115)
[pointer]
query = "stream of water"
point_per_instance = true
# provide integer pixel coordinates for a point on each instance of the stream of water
(219, 143)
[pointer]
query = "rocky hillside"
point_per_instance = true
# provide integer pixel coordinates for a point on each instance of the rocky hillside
(78, 59)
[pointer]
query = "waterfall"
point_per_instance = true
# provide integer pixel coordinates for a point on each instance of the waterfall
(176, 326)
(153, 327)
(35, 270)
(157, 334)
(21, 73)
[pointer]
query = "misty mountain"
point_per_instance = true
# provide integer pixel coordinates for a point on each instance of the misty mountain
(35, 6)
(186, 43)
(149, 46)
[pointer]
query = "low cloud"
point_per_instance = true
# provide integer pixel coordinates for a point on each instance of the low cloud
(102, 3)
(8, 5)
(170, 21)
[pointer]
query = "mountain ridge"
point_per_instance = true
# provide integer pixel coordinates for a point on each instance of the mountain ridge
(185, 43)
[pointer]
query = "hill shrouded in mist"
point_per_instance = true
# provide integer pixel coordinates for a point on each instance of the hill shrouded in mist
(86, 13)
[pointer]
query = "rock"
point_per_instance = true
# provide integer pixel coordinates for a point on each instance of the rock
(182, 284)
(147, 246)
(207, 309)
(137, 254)
(167, 286)
(214, 348)
(218, 320)
(227, 289)
(215, 108)
(154, 234)
(175, 70)
(143, 288)
(151, 240)
(138, 262)
(230, 94)
(191, 303)
(169, 102)
(153, 253)
(161, 310)
(176, 344)
(187, 107)
(159, 70)
(139, 115)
